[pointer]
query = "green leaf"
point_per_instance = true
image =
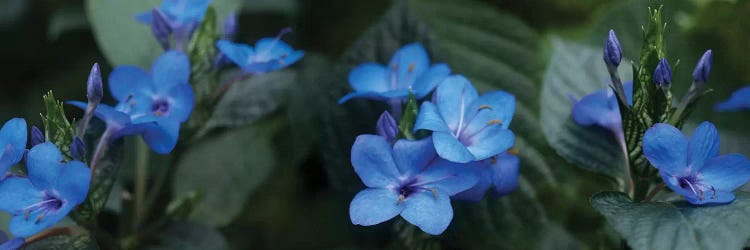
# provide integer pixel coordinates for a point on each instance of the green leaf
(122, 39)
(677, 225)
(251, 99)
(77, 240)
(203, 73)
(406, 126)
(578, 70)
(57, 128)
(107, 170)
(189, 236)
(226, 168)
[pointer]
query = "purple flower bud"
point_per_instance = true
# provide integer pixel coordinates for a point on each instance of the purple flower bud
(703, 68)
(94, 89)
(78, 149)
(612, 50)
(229, 28)
(387, 126)
(663, 74)
(160, 28)
(36, 136)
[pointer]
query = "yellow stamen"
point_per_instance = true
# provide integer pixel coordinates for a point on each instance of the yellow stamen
(411, 67)
(494, 122)
(38, 219)
(513, 151)
(434, 192)
(400, 199)
(485, 106)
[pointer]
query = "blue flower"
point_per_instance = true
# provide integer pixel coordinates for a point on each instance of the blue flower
(467, 127)
(408, 71)
(740, 100)
(663, 74)
(406, 179)
(269, 54)
(387, 127)
(600, 108)
(50, 192)
(612, 50)
(153, 105)
(13, 244)
(499, 172)
(180, 13)
(12, 144)
(693, 168)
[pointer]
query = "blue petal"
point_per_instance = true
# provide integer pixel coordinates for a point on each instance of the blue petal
(394, 94)
(727, 172)
(505, 174)
(181, 102)
(450, 177)
(73, 182)
(453, 97)
(673, 183)
(161, 138)
(431, 212)
(12, 244)
(712, 198)
(666, 148)
(20, 226)
(412, 157)
(450, 148)
(373, 161)
(430, 119)
(292, 58)
(108, 114)
(144, 17)
(595, 109)
(44, 163)
(370, 77)
(740, 100)
(136, 107)
(268, 49)
(430, 79)
(14, 133)
(410, 61)
(18, 193)
(477, 192)
(373, 206)
(185, 10)
(703, 145)
(237, 52)
(170, 69)
(496, 106)
(10, 157)
(488, 142)
(126, 81)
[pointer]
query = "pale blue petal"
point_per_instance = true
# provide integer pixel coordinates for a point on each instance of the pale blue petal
(505, 174)
(450, 177)
(712, 198)
(430, 79)
(410, 61)
(20, 226)
(453, 97)
(740, 100)
(373, 206)
(450, 148)
(18, 193)
(14, 133)
(431, 212)
(44, 164)
(108, 114)
(488, 142)
(496, 106)
(429, 118)
(126, 81)
(666, 148)
(170, 69)
(595, 109)
(726, 173)
(181, 102)
(370, 77)
(703, 145)
(412, 157)
(373, 161)
(10, 156)
(477, 192)
(237, 52)
(73, 182)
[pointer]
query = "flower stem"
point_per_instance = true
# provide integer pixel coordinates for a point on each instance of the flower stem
(628, 176)
(141, 178)
(683, 104)
(617, 83)
(86, 119)
(224, 87)
(101, 149)
(48, 233)
(654, 192)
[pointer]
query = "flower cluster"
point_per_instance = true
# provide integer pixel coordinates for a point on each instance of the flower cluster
(466, 154)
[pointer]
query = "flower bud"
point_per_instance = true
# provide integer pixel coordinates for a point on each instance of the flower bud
(37, 136)
(387, 126)
(703, 68)
(229, 28)
(160, 28)
(94, 89)
(612, 50)
(663, 74)
(78, 149)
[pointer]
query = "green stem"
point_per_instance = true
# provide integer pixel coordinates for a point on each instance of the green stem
(141, 180)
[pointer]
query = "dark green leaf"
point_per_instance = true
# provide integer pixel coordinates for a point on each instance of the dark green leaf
(57, 128)
(226, 168)
(408, 118)
(677, 225)
(78, 240)
(191, 236)
(578, 70)
(203, 73)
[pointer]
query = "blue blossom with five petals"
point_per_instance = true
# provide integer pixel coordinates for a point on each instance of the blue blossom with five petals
(740, 100)
(600, 108)
(407, 179)
(51, 190)
(269, 54)
(151, 104)
(408, 71)
(692, 167)
(467, 127)
(500, 173)
(12, 143)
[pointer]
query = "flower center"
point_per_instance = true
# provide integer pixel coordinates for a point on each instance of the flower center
(160, 107)
(692, 184)
(48, 205)
(410, 187)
